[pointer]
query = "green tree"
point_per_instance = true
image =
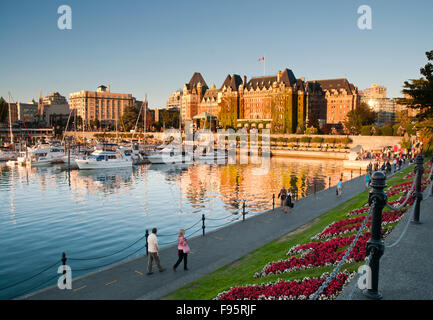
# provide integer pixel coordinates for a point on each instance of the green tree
(386, 130)
(361, 116)
(419, 96)
(128, 118)
(228, 114)
(419, 92)
(4, 111)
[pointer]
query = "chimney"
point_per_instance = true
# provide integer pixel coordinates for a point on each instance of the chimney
(244, 80)
(279, 74)
(109, 88)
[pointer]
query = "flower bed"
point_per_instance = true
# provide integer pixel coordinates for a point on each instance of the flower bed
(327, 248)
(318, 254)
(289, 290)
(342, 227)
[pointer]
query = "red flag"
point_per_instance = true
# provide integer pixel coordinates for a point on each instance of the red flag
(262, 59)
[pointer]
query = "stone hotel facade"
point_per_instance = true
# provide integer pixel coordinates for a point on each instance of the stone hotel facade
(280, 102)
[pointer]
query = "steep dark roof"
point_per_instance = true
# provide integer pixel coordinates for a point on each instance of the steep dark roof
(287, 77)
(232, 82)
(211, 93)
(336, 84)
(195, 79)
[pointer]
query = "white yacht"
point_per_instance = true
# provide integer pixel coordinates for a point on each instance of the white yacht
(7, 154)
(213, 157)
(106, 156)
(168, 155)
(43, 154)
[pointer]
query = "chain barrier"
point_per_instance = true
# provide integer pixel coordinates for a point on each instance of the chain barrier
(334, 273)
(409, 193)
(108, 255)
(112, 262)
(35, 287)
(409, 215)
(31, 277)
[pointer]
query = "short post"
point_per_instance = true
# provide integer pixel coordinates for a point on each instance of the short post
(329, 185)
(419, 170)
(360, 171)
(273, 201)
(375, 245)
(69, 158)
(243, 211)
(147, 243)
(203, 227)
(351, 174)
(314, 187)
(64, 264)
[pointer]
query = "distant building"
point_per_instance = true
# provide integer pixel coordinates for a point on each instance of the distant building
(27, 112)
(193, 93)
(53, 108)
(101, 104)
(174, 100)
(374, 92)
(385, 109)
(341, 97)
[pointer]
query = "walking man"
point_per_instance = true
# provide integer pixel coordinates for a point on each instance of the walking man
(152, 243)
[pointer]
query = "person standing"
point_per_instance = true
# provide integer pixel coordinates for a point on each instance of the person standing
(283, 196)
(182, 250)
(153, 251)
(340, 187)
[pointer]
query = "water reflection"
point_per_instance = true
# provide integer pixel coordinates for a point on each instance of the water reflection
(45, 211)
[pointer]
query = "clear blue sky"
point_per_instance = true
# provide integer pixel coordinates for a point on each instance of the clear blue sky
(154, 47)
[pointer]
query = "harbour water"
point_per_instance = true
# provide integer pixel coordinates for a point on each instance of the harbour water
(97, 213)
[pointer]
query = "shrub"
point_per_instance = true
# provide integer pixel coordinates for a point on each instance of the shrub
(330, 140)
(305, 139)
(365, 130)
(386, 131)
(316, 140)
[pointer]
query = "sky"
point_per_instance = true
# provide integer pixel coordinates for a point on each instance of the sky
(154, 47)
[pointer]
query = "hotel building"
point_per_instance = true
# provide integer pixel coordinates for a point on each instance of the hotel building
(102, 104)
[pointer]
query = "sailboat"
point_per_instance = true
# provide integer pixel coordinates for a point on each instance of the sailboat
(7, 153)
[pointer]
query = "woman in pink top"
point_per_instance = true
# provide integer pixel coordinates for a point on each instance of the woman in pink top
(182, 250)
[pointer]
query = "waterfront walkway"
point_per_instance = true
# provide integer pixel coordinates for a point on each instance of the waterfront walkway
(128, 280)
(406, 269)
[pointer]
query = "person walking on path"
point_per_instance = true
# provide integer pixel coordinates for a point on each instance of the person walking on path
(288, 202)
(339, 187)
(153, 251)
(182, 250)
(367, 180)
(283, 196)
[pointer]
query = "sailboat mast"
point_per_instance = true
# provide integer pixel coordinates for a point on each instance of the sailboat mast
(10, 118)
(145, 116)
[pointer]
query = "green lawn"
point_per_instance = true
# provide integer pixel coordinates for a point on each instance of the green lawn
(241, 272)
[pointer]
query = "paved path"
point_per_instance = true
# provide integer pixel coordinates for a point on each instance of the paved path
(406, 269)
(128, 280)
